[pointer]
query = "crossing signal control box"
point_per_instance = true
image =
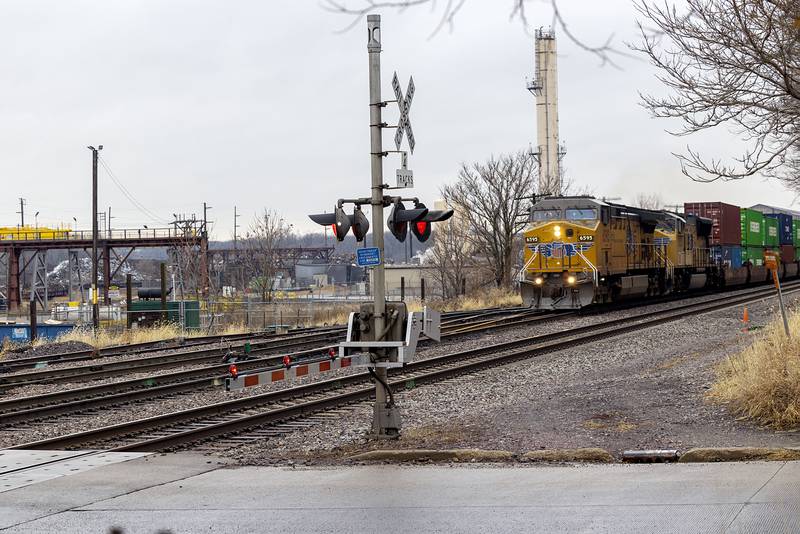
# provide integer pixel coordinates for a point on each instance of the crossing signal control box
(396, 344)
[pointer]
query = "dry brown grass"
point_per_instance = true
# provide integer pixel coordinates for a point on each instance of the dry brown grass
(762, 383)
(107, 338)
(331, 315)
(487, 298)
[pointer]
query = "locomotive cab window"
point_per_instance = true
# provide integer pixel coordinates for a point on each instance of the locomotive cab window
(585, 214)
(546, 215)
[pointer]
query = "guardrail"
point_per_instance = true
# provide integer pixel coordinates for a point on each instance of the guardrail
(86, 235)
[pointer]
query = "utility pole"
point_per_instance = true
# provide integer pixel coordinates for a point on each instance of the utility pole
(204, 253)
(21, 212)
(235, 226)
(95, 308)
(386, 416)
(236, 273)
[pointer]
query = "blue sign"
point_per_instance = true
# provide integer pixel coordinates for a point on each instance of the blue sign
(368, 257)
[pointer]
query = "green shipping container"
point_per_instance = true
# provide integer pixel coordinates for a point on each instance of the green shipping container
(796, 232)
(771, 238)
(752, 223)
(755, 255)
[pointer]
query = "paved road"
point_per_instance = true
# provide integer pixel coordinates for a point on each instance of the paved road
(188, 493)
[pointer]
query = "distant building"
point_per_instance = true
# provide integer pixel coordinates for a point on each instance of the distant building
(763, 208)
(410, 276)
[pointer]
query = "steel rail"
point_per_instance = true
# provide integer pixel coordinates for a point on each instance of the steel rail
(182, 356)
(187, 356)
(30, 362)
(234, 340)
(422, 371)
(104, 395)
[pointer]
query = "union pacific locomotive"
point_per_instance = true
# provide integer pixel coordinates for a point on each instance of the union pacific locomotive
(581, 251)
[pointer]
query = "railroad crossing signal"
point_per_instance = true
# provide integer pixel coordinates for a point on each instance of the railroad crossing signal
(342, 223)
(422, 227)
(400, 217)
(404, 124)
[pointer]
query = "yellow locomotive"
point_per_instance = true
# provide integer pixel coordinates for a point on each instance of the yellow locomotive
(581, 250)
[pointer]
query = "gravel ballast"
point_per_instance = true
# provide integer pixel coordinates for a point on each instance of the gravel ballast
(469, 412)
(644, 390)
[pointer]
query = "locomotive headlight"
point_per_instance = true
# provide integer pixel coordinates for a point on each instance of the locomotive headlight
(556, 231)
(538, 281)
(571, 280)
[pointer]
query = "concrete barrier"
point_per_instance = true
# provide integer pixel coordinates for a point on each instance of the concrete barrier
(444, 455)
(739, 454)
(569, 455)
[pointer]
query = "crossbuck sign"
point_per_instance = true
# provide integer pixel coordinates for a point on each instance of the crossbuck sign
(404, 125)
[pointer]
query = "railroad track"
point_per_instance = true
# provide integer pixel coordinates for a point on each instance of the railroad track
(183, 356)
(231, 341)
(238, 340)
(71, 401)
(281, 411)
(205, 354)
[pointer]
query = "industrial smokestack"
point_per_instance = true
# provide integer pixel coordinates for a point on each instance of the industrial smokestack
(545, 88)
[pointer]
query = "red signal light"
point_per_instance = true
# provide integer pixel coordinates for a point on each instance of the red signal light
(333, 227)
(287, 361)
(233, 370)
(422, 226)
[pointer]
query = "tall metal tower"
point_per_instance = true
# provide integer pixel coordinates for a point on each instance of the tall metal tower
(544, 87)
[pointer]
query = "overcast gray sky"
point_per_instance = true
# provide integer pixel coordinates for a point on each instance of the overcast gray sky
(263, 104)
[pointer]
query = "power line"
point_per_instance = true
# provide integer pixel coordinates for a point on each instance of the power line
(138, 205)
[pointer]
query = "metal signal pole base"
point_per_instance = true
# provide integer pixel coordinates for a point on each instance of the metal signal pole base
(385, 413)
(385, 422)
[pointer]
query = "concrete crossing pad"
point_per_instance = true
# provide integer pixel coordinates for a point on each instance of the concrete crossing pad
(193, 493)
(20, 467)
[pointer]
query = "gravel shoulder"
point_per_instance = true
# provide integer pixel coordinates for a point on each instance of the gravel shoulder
(642, 390)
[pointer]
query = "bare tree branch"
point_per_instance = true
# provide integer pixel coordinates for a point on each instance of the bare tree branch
(451, 8)
(732, 63)
(652, 201)
(492, 198)
(268, 232)
(451, 255)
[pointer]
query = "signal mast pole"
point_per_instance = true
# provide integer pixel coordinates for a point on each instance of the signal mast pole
(95, 309)
(381, 425)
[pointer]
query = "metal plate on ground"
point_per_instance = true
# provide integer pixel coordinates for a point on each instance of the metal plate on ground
(20, 468)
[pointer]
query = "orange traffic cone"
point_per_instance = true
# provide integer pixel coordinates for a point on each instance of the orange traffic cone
(746, 320)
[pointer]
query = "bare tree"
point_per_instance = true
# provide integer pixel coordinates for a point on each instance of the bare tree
(652, 201)
(451, 8)
(268, 233)
(733, 63)
(451, 255)
(492, 198)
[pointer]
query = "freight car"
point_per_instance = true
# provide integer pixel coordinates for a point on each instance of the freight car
(581, 250)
